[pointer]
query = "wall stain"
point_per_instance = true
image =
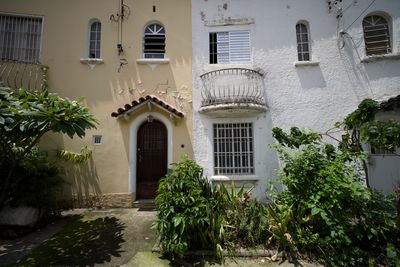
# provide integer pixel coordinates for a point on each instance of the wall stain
(203, 16)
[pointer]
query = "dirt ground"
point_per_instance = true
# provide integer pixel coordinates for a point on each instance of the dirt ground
(105, 237)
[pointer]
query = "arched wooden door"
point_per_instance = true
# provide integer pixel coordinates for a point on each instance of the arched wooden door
(151, 158)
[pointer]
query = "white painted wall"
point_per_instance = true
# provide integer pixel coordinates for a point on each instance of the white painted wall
(307, 96)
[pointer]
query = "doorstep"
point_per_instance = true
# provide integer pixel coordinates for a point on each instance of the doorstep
(144, 204)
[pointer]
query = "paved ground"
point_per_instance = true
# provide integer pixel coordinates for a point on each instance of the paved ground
(110, 237)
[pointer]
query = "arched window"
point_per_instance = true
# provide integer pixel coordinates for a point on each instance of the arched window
(94, 39)
(154, 41)
(303, 42)
(376, 35)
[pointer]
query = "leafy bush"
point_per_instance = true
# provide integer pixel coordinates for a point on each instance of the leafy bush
(242, 220)
(36, 183)
(336, 218)
(185, 210)
(25, 116)
(194, 215)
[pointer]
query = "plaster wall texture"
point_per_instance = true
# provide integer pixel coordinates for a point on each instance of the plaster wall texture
(65, 41)
(305, 96)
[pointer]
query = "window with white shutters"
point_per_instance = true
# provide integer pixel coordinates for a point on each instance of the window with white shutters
(20, 38)
(233, 148)
(376, 35)
(230, 47)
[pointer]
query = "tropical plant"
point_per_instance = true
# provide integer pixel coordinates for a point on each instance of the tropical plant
(185, 210)
(39, 183)
(336, 218)
(78, 158)
(361, 126)
(193, 214)
(25, 116)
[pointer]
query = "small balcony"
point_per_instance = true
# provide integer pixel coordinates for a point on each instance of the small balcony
(17, 74)
(232, 90)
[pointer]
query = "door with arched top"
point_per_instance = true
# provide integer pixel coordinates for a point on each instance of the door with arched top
(151, 158)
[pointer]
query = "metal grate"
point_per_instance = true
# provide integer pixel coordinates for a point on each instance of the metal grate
(382, 151)
(154, 41)
(232, 86)
(376, 35)
(303, 43)
(233, 148)
(96, 139)
(20, 38)
(95, 39)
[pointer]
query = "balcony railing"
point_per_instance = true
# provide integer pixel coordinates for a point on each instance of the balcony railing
(232, 86)
(18, 74)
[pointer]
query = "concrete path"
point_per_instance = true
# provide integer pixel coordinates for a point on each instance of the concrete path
(106, 237)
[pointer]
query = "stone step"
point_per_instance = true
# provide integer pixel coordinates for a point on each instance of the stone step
(144, 204)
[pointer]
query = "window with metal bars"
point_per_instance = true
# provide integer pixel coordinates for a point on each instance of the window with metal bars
(376, 35)
(382, 151)
(20, 38)
(229, 47)
(233, 148)
(303, 42)
(154, 41)
(94, 39)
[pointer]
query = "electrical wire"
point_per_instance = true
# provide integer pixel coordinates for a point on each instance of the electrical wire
(373, 1)
(344, 10)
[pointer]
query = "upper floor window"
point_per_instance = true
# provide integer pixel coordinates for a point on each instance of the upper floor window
(382, 151)
(376, 35)
(20, 38)
(233, 148)
(230, 47)
(154, 41)
(94, 39)
(303, 42)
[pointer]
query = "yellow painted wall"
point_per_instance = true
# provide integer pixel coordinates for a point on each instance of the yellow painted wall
(64, 42)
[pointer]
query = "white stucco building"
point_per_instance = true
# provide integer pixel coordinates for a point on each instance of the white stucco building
(281, 63)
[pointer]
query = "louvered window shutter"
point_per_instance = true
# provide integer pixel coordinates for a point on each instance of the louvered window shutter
(230, 47)
(239, 46)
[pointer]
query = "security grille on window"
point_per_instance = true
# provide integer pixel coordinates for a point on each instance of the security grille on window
(94, 40)
(230, 47)
(20, 38)
(303, 42)
(96, 139)
(233, 148)
(382, 151)
(376, 35)
(154, 41)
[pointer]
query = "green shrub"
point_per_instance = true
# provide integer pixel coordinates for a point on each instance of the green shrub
(336, 217)
(242, 220)
(185, 209)
(36, 183)
(194, 215)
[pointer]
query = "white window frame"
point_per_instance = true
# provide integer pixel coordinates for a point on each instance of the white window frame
(230, 47)
(233, 153)
(149, 32)
(22, 42)
(301, 43)
(386, 28)
(97, 42)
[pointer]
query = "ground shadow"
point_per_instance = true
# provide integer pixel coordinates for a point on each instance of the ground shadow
(80, 243)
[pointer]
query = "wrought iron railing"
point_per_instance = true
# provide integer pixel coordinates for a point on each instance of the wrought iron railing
(18, 74)
(232, 86)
